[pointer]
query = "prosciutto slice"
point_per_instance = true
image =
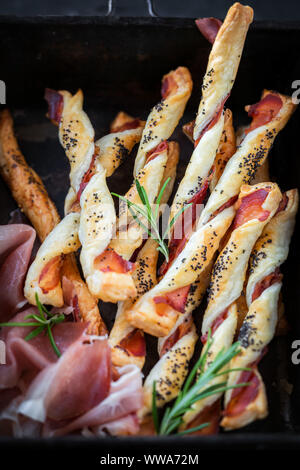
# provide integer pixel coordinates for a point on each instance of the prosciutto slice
(124, 399)
(209, 27)
(16, 242)
(24, 359)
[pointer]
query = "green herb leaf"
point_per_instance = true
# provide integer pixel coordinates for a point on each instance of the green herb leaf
(44, 321)
(154, 408)
(196, 428)
(152, 217)
(34, 333)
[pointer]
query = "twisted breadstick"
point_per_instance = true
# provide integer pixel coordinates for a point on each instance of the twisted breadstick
(127, 342)
(164, 117)
(113, 282)
(26, 186)
(256, 205)
(219, 78)
(242, 406)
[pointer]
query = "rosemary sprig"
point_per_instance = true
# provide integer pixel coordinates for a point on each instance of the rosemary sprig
(43, 322)
(190, 394)
(145, 212)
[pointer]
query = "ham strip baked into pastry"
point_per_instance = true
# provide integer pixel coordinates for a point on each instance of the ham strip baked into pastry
(244, 405)
(33, 199)
(113, 280)
(255, 207)
(128, 343)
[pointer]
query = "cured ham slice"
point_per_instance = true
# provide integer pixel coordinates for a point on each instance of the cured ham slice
(80, 391)
(125, 398)
(24, 359)
(16, 242)
(78, 381)
(209, 28)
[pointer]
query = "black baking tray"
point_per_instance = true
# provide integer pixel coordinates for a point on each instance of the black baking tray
(119, 62)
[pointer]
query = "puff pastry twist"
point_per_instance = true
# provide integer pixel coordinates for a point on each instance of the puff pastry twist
(242, 406)
(126, 341)
(218, 81)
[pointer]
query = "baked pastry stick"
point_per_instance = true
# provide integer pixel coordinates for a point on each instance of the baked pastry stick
(212, 126)
(33, 199)
(51, 258)
(175, 352)
(112, 280)
(255, 207)
(26, 186)
(243, 406)
(219, 78)
(112, 149)
(128, 343)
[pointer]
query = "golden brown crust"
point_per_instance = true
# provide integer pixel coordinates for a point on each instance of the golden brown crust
(26, 186)
(120, 120)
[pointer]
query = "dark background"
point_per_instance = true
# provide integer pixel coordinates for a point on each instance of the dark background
(39, 65)
(264, 9)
